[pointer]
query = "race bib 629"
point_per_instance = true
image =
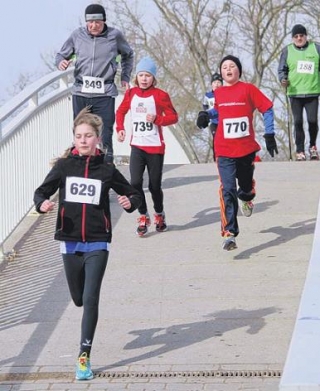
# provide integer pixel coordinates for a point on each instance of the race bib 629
(83, 190)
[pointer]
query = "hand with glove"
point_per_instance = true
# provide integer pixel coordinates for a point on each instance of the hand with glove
(271, 144)
(202, 120)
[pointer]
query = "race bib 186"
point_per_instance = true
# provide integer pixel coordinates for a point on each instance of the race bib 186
(83, 190)
(236, 127)
(92, 85)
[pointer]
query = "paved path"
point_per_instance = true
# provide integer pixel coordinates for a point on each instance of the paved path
(177, 312)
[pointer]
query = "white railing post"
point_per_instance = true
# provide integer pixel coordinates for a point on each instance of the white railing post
(33, 101)
(33, 128)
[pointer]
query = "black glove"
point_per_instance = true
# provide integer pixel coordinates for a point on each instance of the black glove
(203, 119)
(271, 144)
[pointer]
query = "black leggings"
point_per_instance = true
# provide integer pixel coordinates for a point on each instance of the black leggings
(84, 273)
(310, 104)
(139, 160)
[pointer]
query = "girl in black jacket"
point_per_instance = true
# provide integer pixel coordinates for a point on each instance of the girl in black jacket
(83, 223)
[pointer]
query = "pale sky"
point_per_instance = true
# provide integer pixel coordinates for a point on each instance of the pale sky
(31, 27)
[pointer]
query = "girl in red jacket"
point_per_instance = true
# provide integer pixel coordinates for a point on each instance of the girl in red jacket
(151, 109)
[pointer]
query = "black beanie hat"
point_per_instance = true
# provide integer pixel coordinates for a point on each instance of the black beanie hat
(235, 60)
(216, 76)
(95, 12)
(298, 29)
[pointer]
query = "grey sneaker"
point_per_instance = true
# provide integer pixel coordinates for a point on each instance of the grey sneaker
(229, 242)
(301, 157)
(313, 153)
(247, 208)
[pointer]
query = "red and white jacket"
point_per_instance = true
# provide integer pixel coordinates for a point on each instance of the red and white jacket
(146, 135)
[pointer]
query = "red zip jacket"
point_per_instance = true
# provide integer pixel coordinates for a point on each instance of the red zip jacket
(144, 135)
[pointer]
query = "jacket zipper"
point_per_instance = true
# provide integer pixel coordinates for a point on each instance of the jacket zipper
(93, 55)
(107, 224)
(62, 217)
(84, 206)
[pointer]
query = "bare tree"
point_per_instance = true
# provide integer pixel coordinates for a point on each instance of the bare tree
(265, 29)
(48, 60)
(23, 80)
(188, 38)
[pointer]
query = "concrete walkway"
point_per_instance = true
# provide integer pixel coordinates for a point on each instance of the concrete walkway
(177, 312)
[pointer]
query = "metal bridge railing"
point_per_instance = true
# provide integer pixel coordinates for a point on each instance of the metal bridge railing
(35, 126)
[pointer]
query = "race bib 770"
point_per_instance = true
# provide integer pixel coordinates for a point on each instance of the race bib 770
(236, 127)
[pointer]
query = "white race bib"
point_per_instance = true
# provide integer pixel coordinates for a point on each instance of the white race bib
(236, 127)
(83, 190)
(144, 132)
(92, 85)
(305, 67)
(143, 128)
(211, 102)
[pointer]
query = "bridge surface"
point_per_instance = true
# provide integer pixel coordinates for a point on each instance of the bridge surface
(177, 312)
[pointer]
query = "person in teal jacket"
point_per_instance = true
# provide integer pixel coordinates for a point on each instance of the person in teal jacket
(298, 72)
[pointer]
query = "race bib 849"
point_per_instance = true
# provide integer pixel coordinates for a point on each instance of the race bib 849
(92, 85)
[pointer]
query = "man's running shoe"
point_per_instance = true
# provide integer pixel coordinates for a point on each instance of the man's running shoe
(247, 208)
(301, 157)
(160, 222)
(83, 371)
(314, 153)
(143, 224)
(229, 242)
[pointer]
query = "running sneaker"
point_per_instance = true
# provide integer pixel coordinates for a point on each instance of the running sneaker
(247, 208)
(301, 157)
(83, 371)
(143, 224)
(229, 242)
(314, 153)
(160, 222)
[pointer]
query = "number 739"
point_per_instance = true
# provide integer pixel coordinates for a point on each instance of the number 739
(142, 126)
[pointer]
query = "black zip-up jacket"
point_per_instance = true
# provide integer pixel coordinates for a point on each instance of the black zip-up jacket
(81, 222)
